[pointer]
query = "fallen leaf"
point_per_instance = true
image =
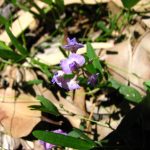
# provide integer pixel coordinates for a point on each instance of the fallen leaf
(141, 62)
(119, 61)
(16, 117)
(79, 99)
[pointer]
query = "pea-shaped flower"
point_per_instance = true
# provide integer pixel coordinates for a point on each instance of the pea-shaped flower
(93, 79)
(68, 84)
(72, 63)
(72, 45)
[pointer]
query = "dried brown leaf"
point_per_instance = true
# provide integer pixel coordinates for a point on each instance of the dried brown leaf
(119, 62)
(16, 117)
(141, 62)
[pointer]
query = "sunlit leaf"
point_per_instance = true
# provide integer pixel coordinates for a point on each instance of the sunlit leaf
(49, 105)
(130, 94)
(15, 42)
(93, 57)
(3, 20)
(49, 2)
(64, 140)
(36, 82)
(114, 84)
(7, 53)
(129, 3)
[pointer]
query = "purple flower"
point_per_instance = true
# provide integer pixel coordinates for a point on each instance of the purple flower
(93, 79)
(68, 84)
(73, 45)
(48, 146)
(72, 63)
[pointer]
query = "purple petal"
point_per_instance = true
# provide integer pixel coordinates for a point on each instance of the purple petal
(79, 59)
(73, 45)
(65, 65)
(72, 63)
(60, 131)
(68, 84)
(73, 66)
(58, 78)
(73, 85)
(47, 146)
(93, 79)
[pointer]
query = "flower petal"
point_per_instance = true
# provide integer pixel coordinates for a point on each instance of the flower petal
(79, 59)
(72, 63)
(73, 45)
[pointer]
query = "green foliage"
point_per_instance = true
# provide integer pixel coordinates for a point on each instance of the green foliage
(60, 5)
(3, 20)
(49, 2)
(147, 85)
(129, 3)
(7, 53)
(128, 92)
(35, 82)
(101, 25)
(93, 58)
(48, 106)
(77, 133)
(43, 67)
(23, 51)
(64, 140)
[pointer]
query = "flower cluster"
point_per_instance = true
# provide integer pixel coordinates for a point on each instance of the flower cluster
(48, 146)
(71, 65)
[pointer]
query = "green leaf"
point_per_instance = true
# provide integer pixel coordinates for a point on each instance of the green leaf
(63, 140)
(3, 20)
(89, 66)
(93, 57)
(103, 27)
(77, 133)
(49, 2)
(36, 82)
(14, 1)
(129, 3)
(3, 46)
(15, 42)
(43, 67)
(114, 84)
(68, 76)
(63, 51)
(130, 94)
(147, 83)
(7, 53)
(39, 108)
(60, 5)
(49, 105)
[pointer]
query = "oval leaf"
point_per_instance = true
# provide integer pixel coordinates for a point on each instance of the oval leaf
(130, 94)
(63, 140)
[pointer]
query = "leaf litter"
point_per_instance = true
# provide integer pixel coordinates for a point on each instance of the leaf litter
(130, 66)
